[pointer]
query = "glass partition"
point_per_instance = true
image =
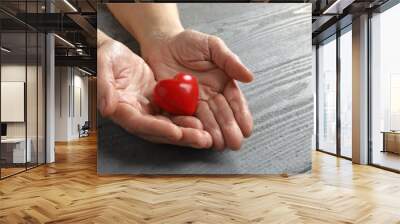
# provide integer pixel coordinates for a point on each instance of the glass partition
(34, 52)
(385, 89)
(22, 101)
(31, 99)
(13, 114)
(346, 93)
(327, 96)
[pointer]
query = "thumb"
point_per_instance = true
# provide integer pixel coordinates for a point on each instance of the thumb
(107, 97)
(226, 60)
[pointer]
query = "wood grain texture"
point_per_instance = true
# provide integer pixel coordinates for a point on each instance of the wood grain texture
(274, 41)
(70, 191)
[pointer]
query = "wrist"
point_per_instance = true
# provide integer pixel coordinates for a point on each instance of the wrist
(101, 38)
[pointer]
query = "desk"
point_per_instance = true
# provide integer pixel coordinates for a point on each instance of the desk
(391, 141)
(13, 150)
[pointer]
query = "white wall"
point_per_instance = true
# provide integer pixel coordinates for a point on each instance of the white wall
(80, 100)
(70, 83)
(12, 73)
(61, 103)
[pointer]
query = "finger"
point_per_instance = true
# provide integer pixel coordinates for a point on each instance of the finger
(187, 122)
(161, 117)
(238, 104)
(206, 117)
(107, 97)
(145, 124)
(196, 138)
(226, 60)
(232, 134)
(191, 138)
(193, 134)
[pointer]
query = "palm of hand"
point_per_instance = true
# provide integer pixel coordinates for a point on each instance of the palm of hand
(127, 82)
(189, 53)
(222, 108)
(131, 80)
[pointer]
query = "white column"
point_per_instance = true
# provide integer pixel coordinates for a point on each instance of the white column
(50, 93)
(360, 90)
(50, 99)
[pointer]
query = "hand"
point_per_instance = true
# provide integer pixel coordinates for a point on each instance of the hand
(222, 109)
(125, 85)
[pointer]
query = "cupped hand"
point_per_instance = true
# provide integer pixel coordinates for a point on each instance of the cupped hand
(222, 109)
(125, 84)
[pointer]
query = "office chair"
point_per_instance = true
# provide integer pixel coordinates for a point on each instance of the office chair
(84, 130)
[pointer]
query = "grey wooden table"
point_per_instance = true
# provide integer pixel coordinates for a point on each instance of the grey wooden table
(274, 41)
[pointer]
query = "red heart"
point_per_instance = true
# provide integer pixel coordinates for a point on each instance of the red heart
(178, 96)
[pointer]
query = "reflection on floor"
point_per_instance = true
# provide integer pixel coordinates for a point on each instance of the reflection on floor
(346, 152)
(13, 169)
(70, 191)
(10, 171)
(386, 159)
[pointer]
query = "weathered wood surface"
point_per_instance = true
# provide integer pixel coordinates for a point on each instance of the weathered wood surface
(274, 41)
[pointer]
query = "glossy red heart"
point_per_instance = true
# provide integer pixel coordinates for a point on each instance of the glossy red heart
(178, 96)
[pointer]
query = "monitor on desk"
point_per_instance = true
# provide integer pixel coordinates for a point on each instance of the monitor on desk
(3, 130)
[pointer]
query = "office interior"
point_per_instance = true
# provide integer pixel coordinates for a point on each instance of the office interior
(48, 75)
(357, 83)
(48, 79)
(48, 91)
